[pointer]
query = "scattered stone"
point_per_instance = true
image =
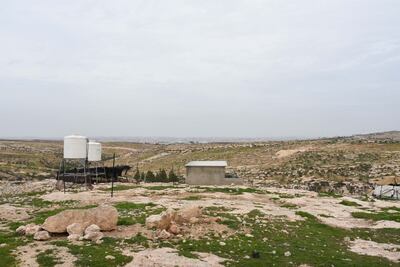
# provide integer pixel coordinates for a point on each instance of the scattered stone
(105, 217)
(287, 254)
(2, 245)
(174, 229)
(74, 237)
(222, 243)
(164, 234)
(347, 239)
(76, 229)
(193, 220)
(93, 233)
(249, 235)
(21, 230)
(31, 229)
(110, 257)
(41, 236)
(92, 228)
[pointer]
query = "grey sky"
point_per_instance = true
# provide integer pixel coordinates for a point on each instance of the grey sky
(247, 68)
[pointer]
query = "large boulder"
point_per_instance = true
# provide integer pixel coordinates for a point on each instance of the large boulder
(105, 217)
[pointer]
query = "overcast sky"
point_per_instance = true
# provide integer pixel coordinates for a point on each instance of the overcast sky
(250, 68)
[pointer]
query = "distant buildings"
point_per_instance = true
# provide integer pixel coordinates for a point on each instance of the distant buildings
(208, 173)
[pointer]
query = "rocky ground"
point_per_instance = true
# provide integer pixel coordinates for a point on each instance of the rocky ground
(179, 225)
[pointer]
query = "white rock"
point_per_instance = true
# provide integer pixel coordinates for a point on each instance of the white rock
(288, 254)
(41, 236)
(222, 243)
(110, 257)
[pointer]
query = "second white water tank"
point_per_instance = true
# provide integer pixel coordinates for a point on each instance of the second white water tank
(94, 151)
(75, 147)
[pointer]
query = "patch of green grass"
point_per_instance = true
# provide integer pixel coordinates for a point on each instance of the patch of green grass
(192, 198)
(305, 215)
(392, 209)
(138, 240)
(132, 213)
(378, 216)
(309, 242)
(349, 203)
(329, 194)
(94, 255)
(47, 258)
(289, 206)
(11, 241)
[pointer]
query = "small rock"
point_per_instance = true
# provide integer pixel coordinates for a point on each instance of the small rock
(193, 220)
(21, 230)
(174, 229)
(31, 229)
(41, 236)
(2, 245)
(164, 234)
(222, 243)
(75, 228)
(74, 237)
(93, 236)
(249, 235)
(110, 257)
(92, 228)
(287, 254)
(347, 239)
(247, 257)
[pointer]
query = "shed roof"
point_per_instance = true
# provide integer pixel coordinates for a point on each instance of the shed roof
(217, 163)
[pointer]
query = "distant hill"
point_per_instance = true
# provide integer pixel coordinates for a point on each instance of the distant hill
(391, 135)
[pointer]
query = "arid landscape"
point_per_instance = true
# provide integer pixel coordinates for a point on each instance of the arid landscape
(303, 203)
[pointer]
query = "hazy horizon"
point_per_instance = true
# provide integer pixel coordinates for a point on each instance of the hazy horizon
(241, 69)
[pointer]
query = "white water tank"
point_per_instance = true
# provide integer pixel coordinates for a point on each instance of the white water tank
(75, 147)
(94, 151)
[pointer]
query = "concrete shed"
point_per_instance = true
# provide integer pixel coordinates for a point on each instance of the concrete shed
(208, 173)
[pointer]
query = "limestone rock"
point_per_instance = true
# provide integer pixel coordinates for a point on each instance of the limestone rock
(184, 214)
(93, 233)
(92, 228)
(174, 229)
(105, 217)
(21, 230)
(164, 234)
(74, 237)
(41, 236)
(160, 221)
(31, 229)
(76, 229)
(94, 236)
